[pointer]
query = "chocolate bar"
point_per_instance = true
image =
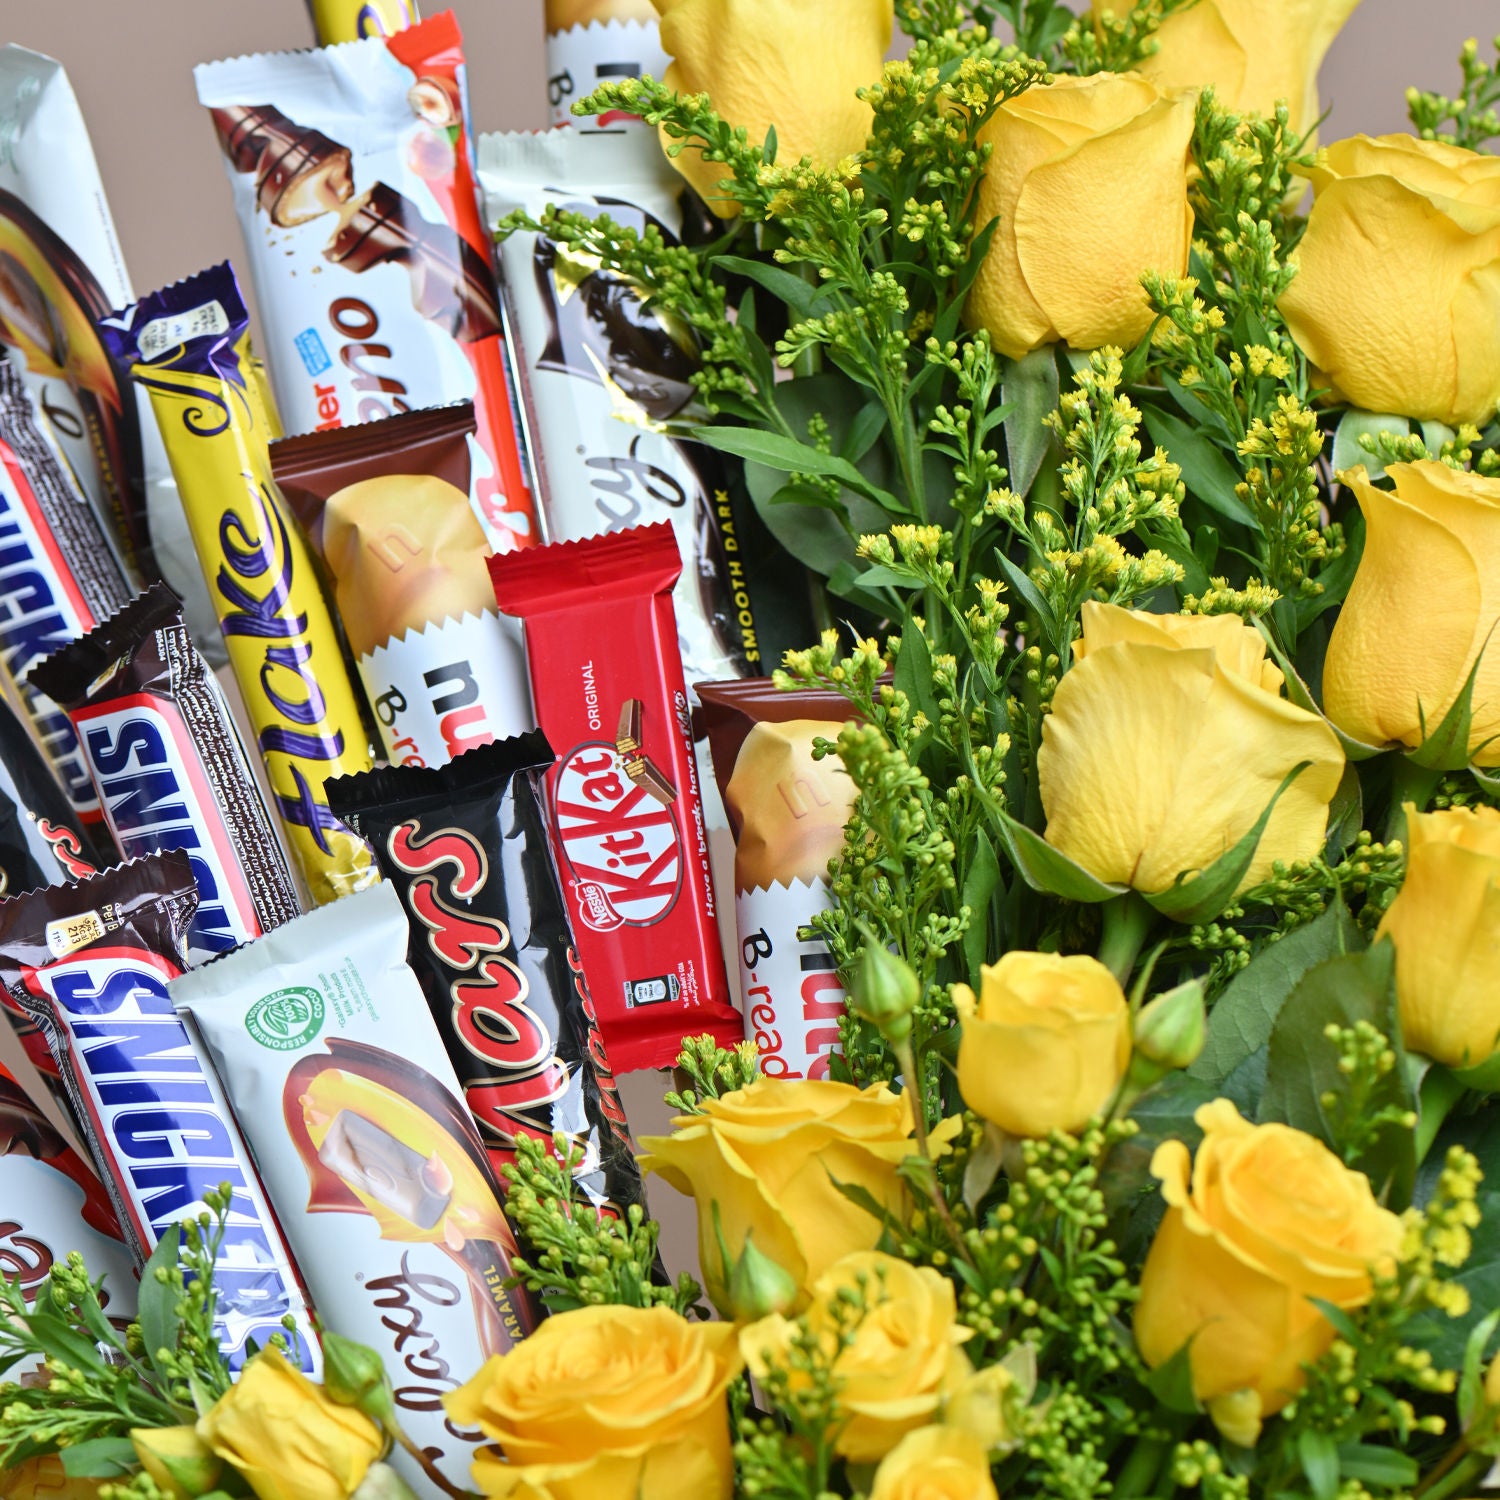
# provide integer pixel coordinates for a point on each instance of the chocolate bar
(352, 20)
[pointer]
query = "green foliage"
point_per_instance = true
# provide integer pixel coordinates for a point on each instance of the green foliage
(1472, 119)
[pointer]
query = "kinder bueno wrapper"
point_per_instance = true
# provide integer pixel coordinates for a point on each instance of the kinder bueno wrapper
(169, 767)
(787, 810)
(467, 848)
(388, 506)
(350, 20)
(188, 346)
(627, 824)
(603, 372)
(351, 169)
(323, 1037)
(91, 962)
(590, 42)
(58, 575)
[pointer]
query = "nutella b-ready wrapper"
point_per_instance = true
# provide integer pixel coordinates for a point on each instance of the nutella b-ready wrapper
(590, 42)
(375, 1168)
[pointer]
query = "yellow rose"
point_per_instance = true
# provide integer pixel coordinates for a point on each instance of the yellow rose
(1045, 1045)
(782, 63)
(1423, 602)
(1167, 739)
(43, 1479)
(606, 1403)
(768, 1157)
(1089, 178)
(287, 1437)
(903, 1357)
(935, 1463)
(1445, 923)
(1397, 293)
(1263, 1219)
(1253, 52)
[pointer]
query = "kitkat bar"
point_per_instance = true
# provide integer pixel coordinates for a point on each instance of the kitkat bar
(627, 824)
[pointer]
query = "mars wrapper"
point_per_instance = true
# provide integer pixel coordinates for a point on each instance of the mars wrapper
(91, 961)
(787, 811)
(627, 821)
(187, 345)
(351, 169)
(387, 504)
(602, 372)
(590, 42)
(340, 1082)
(352, 20)
(169, 767)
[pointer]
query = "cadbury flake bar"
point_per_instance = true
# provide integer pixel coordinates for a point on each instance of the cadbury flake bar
(91, 962)
(604, 373)
(351, 169)
(627, 824)
(352, 20)
(187, 345)
(58, 575)
(590, 42)
(787, 811)
(323, 1038)
(169, 767)
(491, 943)
(387, 504)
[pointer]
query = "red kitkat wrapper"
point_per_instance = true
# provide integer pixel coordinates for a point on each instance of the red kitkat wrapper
(624, 812)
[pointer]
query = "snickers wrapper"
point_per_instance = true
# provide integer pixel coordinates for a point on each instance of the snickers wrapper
(91, 962)
(603, 373)
(340, 1081)
(352, 176)
(627, 823)
(169, 767)
(467, 847)
(54, 1204)
(188, 346)
(353, 20)
(590, 42)
(787, 811)
(387, 505)
(58, 575)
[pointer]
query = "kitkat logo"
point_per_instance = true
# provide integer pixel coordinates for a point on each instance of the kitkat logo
(619, 843)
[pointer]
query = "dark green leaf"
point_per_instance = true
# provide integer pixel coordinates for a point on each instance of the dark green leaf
(1444, 1337)
(1172, 1383)
(787, 454)
(981, 881)
(100, 1458)
(1346, 814)
(1207, 473)
(913, 674)
(1030, 389)
(1319, 1457)
(1381, 1466)
(1037, 608)
(1044, 868)
(157, 1301)
(1476, 1357)
(785, 286)
(1446, 748)
(864, 432)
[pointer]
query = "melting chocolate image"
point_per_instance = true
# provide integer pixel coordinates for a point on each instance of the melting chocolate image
(299, 173)
(26, 316)
(24, 1129)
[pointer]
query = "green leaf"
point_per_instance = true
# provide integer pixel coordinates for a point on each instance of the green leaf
(1346, 814)
(1172, 1383)
(1037, 607)
(157, 1301)
(1044, 868)
(981, 881)
(1446, 748)
(100, 1458)
(1319, 1457)
(1244, 1016)
(864, 432)
(785, 286)
(1385, 1467)
(1201, 897)
(1471, 1382)
(1205, 470)
(1354, 425)
(1030, 388)
(779, 452)
(913, 675)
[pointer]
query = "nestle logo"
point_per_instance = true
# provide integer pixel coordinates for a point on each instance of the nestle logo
(594, 907)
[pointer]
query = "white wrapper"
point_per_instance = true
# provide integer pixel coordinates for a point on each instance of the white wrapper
(582, 57)
(340, 1082)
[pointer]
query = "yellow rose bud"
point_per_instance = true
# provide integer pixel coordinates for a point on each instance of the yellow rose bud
(1169, 1033)
(1262, 1219)
(781, 63)
(768, 1155)
(935, 1463)
(758, 1287)
(1397, 293)
(606, 1403)
(1045, 1044)
(1445, 923)
(286, 1437)
(179, 1461)
(1089, 178)
(1255, 53)
(903, 1357)
(1421, 607)
(43, 1479)
(1166, 741)
(982, 1403)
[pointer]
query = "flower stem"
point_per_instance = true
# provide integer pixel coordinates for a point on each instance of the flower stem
(1127, 921)
(1440, 1091)
(1458, 1473)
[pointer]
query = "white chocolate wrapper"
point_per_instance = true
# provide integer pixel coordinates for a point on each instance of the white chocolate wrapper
(792, 993)
(448, 688)
(582, 57)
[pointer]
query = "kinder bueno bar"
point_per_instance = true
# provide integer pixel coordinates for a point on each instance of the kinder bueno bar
(58, 576)
(627, 827)
(387, 504)
(169, 767)
(466, 846)
(351, 169)
(604, 372)
(590, 42)
(188, 346)
(787, 810)
(349, 20)
(91, 961)
(340, 1082)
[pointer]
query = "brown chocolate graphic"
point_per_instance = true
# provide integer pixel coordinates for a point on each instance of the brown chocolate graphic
(299, 173)
(639, 767)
